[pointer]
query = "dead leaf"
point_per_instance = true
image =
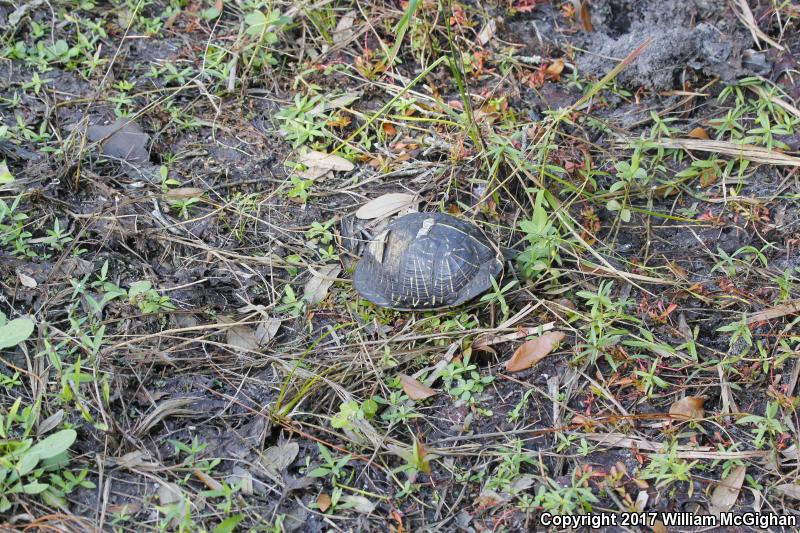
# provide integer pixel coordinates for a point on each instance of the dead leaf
(484, 341)
(317, 286)
(183, 193)
(555, 69)
(533, 351)
(778, 311)
(586, 17)
(169, 493)
(243, 338)
(385, 205)
(207, 480)
(243, 478)
(389, 129)
(659, 527)
(323, 502)
(414, 389)
(727, 492)
(171, 407)
(358, 503)
(312, 158)
(26, 280)
(122, 139)
(344, 28)
(788, 489)
(267, 329)
(276, 459)
(698, 133)
(487, 32)
(688, 408)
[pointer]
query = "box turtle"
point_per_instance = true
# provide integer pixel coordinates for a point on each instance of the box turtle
(426, 261)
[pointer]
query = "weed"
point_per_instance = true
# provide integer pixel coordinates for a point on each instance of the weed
(667, 468)
(767, 427)
(330, 465)
(543, 241)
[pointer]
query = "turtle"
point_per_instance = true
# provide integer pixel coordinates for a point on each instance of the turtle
(426, 261)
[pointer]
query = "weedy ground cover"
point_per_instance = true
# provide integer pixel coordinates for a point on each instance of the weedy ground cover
(180, 345)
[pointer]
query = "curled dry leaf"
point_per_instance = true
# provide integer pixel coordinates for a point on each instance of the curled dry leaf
(318, 164)
(359, 504)
(586, 17)
(317, 286)
(169, 493)
(414, 389)
(533, 351)
(385, 205)
(727, 492)
(688, 408)
(487, 32)
(555, 69)
(699, 133)
(276, 459)
(26, 280)
(324, 502)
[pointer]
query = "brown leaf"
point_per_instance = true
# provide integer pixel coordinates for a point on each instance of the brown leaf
(389, 129)
(727, 492)
(688, 408)
(699, 133)
(555, 69)
(414, 389)
(586, 17)
(789, 308)
(659, 527)
(324, 502)
(183, 193)
(533, 351)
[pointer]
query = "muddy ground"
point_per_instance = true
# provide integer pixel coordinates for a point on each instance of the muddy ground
(182, 332)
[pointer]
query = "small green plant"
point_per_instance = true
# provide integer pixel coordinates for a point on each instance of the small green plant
(183, 206)
(330, 465)
(740, 331)
(290, 303)
(602, 334)
(498, 295)
(399, 407)
(767, 427)
(350, 411)
(302, 124)
(508, 472)
(148, 299)
(463, 381)
(300, 188)
(543, 239)
(556, 499)
(667, 468)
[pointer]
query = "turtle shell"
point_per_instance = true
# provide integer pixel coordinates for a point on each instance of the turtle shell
(426, 261)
